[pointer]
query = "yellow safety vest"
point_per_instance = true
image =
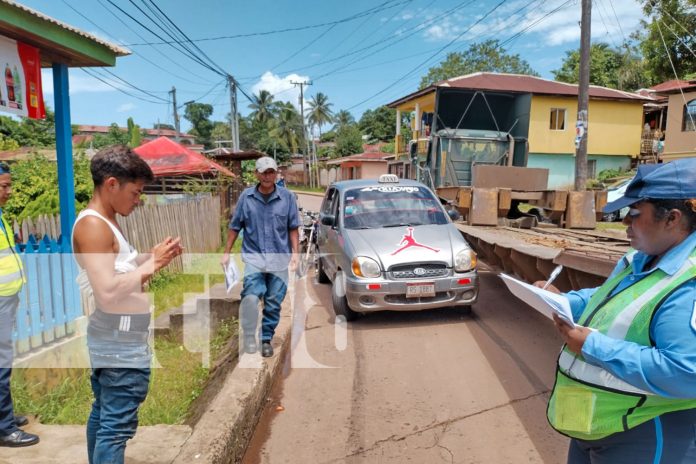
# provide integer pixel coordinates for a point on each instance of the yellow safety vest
(589, 402)
(11, 270)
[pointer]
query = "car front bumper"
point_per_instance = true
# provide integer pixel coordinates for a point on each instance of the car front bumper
(367, 295)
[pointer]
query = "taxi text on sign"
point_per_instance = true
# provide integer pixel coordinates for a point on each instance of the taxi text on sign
(20, 79)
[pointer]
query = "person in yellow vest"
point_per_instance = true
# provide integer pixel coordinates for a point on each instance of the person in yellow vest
(11, 280)
(625, 388)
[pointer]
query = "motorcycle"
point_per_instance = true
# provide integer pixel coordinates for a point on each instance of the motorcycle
(308, 241)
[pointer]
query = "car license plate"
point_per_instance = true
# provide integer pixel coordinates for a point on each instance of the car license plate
(420, 290)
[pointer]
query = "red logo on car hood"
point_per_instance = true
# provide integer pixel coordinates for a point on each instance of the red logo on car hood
(408, 241)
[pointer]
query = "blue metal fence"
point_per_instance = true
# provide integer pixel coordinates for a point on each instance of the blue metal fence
(49, 302)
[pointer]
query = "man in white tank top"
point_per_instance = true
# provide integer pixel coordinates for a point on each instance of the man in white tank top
(118, 330)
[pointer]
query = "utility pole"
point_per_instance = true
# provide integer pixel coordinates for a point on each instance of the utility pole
(176, 114)
(234, 124)
(304, 130)
(581, 127)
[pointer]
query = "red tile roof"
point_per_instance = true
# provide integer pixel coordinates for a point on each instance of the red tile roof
(518, 83)
(673, 86)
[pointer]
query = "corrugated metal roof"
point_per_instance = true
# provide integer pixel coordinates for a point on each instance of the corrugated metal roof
(518, 83)
(117, 50)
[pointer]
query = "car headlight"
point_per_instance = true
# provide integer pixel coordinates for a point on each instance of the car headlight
(366, 267)
(465, 260)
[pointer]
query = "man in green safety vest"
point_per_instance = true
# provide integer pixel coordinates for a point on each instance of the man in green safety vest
(11, 281)
(625, 388)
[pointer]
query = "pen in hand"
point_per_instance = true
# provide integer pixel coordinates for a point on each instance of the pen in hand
(553, 276)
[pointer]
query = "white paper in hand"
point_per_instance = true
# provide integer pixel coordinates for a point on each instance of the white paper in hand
(231, 274)
(542, 300)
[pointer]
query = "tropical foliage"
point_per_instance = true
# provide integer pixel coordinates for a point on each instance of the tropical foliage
(486, 56)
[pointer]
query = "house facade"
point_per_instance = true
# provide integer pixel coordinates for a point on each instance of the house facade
(539, 114)
(680, 131)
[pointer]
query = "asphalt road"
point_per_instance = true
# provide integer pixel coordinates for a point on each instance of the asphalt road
(422, 387)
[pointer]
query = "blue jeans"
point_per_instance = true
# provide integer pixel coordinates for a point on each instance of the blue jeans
(120, 380)
(663, 440)
(8, 311)
(118, 393)
(269, 286)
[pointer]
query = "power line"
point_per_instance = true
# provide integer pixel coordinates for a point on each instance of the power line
(618, 22)
(417, 67)
(280, 31)
(192, 57)
(88, 72)
(210, 60)
(179, 65)
(146, 92)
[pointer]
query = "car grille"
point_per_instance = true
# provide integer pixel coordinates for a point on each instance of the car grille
(409, 271)
(401, 299)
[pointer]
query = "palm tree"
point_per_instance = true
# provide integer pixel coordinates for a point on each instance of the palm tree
(343, 118)
(263, 107)
(287, 126)
(320, 111)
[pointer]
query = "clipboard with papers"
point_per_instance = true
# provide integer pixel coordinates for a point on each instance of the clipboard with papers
(542, 300)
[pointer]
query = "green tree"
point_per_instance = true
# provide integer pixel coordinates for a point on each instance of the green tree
(263, 107)
(198, 114)
(320, 111)
(379, 124)
(348, 140)
(669, 39)
(486, 56)
(27, 132)
(134, 133)
(221, 131)
(343, 118)
(608, 68)
(115, 136)
(287, 128)
(34, 186)
(7, 143)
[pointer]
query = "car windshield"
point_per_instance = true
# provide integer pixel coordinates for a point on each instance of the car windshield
(391, 206)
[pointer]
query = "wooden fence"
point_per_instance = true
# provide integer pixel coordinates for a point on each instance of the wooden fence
(51, 301)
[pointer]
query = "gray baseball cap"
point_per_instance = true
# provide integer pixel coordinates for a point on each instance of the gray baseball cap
(265, 163)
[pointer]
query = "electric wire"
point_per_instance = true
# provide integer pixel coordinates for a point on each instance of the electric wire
(134, 87)
(674, 70)
(417, 67)
(95, 76)
(202, 81)
(192, 57)
(140, 55)
(280, 31)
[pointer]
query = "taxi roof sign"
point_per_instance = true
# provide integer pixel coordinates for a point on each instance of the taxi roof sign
(388, 179)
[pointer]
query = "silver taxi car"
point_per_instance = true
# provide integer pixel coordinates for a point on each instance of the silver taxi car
(388, 244)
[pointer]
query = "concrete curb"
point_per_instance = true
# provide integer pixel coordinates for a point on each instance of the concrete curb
(224, 431)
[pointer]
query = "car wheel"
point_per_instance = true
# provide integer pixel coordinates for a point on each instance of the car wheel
(322, 278)
(339, 300)
(611, 217)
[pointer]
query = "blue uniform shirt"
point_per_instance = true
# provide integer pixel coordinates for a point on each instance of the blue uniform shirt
(266, 242)
(668, 369)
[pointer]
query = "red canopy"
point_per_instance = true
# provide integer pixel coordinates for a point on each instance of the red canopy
(168, 158)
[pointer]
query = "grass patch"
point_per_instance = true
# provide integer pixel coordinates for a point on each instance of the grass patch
(173, 387)
(610, 226)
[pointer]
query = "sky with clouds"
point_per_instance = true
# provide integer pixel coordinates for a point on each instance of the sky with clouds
(361, 54)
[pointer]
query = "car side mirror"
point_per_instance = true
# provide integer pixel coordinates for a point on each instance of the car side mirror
(454, 214)
(328, 220)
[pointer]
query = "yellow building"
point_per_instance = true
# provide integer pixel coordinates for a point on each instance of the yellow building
(539, 114)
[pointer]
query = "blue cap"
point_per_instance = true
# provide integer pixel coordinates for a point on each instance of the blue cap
(670, 181)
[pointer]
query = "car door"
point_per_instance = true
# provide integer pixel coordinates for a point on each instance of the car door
(323, 230)
(334, 246)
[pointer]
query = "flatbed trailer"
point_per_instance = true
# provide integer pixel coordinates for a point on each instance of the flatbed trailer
(588, 257)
